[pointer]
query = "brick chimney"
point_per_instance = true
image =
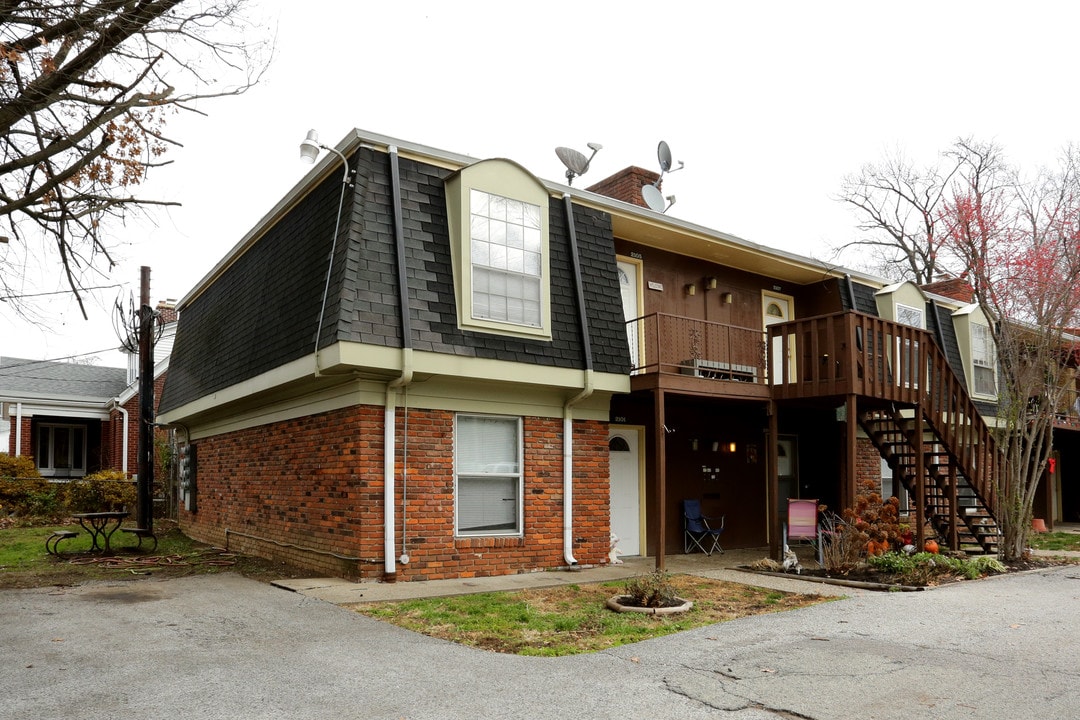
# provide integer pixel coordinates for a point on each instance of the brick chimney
(167, 310)
(626, 185)
(955, 288)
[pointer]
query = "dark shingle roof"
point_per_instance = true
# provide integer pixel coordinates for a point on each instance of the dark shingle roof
(262, 311)
(20, 376)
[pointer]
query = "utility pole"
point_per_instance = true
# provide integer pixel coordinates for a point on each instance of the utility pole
(145, 486)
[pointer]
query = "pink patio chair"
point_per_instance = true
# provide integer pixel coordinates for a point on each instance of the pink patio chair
(802, 525)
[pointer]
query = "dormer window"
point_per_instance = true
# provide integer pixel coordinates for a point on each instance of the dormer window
(507, 259)
(984, 374)
(907, 315)
(498, 216)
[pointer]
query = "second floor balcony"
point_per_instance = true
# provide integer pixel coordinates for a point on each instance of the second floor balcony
(699, 356)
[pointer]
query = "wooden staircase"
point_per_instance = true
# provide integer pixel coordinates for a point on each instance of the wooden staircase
(952, 505)
(912, 406)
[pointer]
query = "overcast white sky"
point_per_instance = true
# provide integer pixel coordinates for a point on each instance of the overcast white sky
(768, 104)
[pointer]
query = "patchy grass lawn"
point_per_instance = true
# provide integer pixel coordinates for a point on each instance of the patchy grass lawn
(1055, 541)
(24, 562)
(572, 619)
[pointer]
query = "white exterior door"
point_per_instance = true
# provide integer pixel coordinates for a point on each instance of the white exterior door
(630, 289)
(777, 309)
(626, 488)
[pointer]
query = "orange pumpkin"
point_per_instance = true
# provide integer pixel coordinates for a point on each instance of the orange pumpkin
(931, 546)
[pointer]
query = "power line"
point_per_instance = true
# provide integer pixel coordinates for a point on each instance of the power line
(5, 298)
(30, 363)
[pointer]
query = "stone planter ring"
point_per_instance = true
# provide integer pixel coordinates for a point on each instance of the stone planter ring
(615, 603)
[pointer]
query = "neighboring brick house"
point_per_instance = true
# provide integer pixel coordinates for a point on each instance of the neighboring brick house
(76, 419)
(495, 373)
(59, 414)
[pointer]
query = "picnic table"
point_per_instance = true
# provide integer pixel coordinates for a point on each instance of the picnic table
(101, 525)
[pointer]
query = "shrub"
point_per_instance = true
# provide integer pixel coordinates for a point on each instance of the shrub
(875, 520)
(842, 546)
(22, 489)
(653, 591)
(924, 568)
(101, 491)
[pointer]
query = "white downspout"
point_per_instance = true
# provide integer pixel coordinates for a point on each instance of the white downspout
(389, 455)
(568, 468)
(18, 429)
(124, 450)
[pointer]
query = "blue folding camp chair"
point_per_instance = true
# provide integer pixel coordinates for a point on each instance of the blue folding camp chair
(698, 532)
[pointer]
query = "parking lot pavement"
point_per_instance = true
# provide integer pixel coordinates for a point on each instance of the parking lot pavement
(223, 646)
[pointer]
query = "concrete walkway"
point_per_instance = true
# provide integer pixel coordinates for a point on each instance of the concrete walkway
(718, 566)
(340, 591)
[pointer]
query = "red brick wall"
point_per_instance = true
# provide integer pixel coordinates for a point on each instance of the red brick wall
(26, 446)
(867, 464)
(317, 483)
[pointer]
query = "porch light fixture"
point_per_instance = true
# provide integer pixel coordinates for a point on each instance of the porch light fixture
(691, 289)
(309, 152)
(710, 283)
(727, 298)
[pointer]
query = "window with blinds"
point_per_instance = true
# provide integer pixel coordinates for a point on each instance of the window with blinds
(488, 470)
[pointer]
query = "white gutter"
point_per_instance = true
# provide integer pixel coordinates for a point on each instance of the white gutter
(389, 455)
(568, 468)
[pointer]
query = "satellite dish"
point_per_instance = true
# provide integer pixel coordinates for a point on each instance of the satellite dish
(653, 198)
(663, 153)
(576, 163)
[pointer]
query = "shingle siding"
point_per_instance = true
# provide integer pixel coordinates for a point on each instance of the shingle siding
(263, 310)
(865, 301)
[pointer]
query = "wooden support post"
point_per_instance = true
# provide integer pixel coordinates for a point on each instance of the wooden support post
(847, 499)
(660, 443)
(772, 495)
(920, 477)
(954, 509)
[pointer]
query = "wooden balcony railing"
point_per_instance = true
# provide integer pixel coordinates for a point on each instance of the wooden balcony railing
(853, 353)
(661, 343)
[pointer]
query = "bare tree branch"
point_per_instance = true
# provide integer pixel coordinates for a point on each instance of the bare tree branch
(84, 93)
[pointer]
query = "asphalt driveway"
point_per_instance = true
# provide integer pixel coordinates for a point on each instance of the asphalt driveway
(223, 646)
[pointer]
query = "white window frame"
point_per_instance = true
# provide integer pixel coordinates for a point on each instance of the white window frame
(506, 259)
(907, 351)
(980, 347)
(886, 483)
(509, 471)
(509, 181)
(76, 465)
